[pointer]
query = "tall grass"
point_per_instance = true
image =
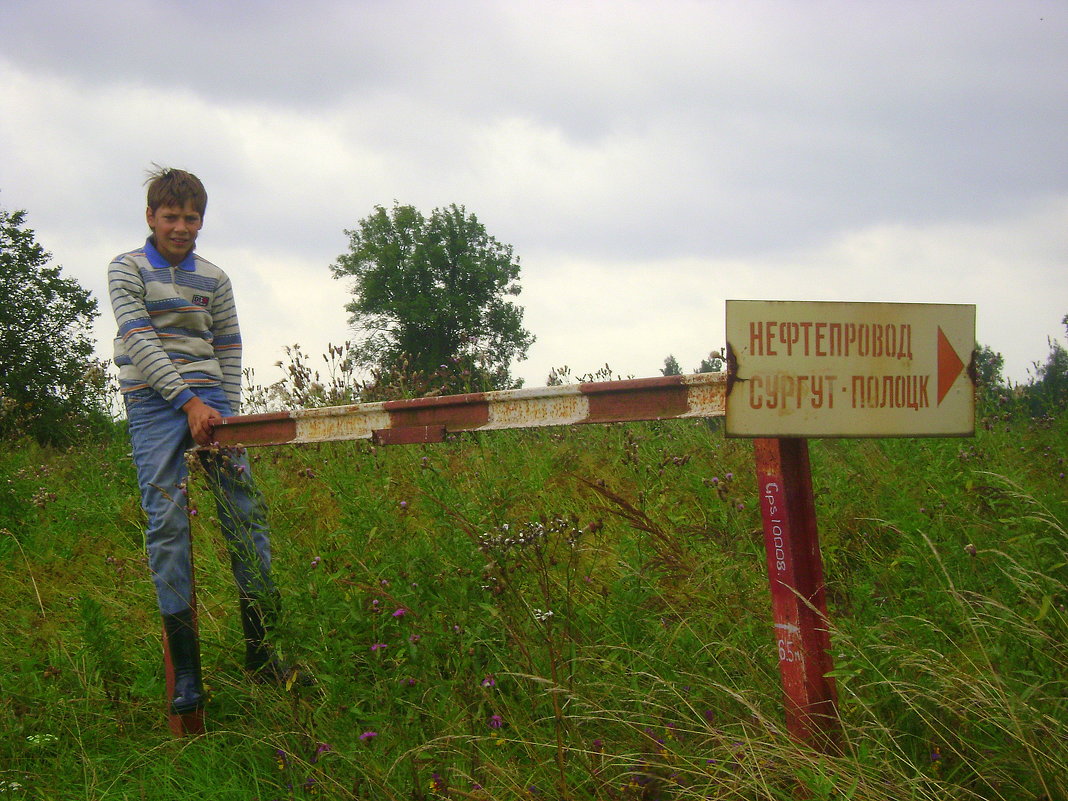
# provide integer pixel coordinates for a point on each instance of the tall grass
(573, 613)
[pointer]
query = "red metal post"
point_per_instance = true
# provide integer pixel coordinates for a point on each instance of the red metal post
(795, 572)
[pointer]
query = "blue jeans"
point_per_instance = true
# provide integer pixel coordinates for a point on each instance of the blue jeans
(160, 437)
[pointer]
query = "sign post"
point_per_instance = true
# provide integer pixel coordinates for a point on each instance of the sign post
(798, 370)
(799, 605)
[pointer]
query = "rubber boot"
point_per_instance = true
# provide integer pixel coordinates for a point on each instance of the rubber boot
(185, 658)
(262, 663)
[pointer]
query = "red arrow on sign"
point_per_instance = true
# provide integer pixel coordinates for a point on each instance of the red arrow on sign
(949, 365)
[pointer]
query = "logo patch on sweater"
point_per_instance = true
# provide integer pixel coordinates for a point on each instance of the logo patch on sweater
(200, 300)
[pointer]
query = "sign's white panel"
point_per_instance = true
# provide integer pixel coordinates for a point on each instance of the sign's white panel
(829, 369)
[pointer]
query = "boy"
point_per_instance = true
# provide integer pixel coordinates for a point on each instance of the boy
(178, 351)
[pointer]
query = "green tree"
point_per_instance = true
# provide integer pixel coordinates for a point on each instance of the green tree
(430, 295)
(988, 367)
(1048, 392)
(989, 381)
(46, 371)
(671, 366)
(712, 363)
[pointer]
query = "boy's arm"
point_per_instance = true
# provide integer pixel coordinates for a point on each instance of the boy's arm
(227, 341)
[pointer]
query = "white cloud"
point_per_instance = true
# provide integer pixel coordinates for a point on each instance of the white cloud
(647, 161)
(633, 314)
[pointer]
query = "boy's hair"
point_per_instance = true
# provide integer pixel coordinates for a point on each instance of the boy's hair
(171, 187)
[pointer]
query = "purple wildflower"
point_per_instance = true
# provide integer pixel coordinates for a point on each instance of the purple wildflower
(378, 646)
(489, 681)
(495, 722)
(401, 612)
(368, 735)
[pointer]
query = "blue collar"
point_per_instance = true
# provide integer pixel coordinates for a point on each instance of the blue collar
(156, 260)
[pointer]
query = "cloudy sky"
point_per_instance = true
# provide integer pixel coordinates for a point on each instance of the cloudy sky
(646, 160)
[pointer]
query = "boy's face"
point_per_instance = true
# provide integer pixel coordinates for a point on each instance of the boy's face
(174, 230)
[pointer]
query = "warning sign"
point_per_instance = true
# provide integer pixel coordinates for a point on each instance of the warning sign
(827, 369)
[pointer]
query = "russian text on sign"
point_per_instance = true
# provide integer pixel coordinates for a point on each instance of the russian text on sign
(849, 369)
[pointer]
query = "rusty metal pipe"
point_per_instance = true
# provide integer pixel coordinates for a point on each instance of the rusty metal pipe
(661, 398)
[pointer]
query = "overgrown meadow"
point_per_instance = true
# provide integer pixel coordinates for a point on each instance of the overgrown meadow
(558, 613)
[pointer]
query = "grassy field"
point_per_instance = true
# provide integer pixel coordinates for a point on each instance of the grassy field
(562, 613)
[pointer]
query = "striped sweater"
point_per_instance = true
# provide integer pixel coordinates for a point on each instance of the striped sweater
(177, 326)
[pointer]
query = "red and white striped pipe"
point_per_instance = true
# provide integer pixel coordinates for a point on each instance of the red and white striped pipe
(429, 419)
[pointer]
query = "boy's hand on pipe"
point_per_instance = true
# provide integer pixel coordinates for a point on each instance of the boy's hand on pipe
(202, 419)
